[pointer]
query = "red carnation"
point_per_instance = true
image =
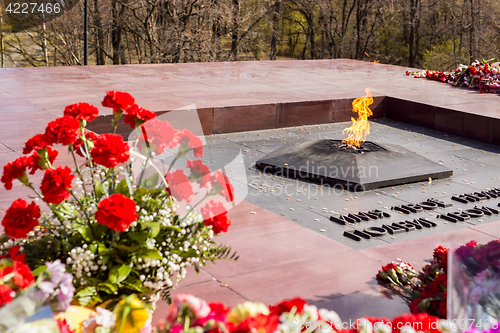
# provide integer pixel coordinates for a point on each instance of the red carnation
(136, 115)
(414, 308)
(199, 172)
(22, 274)
(116, 211)
(110, 150)
(15, 170)
(55, 184)
(14, 254)
(179, 185)
(287, 305)
(41, 160)
(20, 218)
(215, 214)
(441, 256)
(35, 143)
(159, 134)
(6, 294)
(259, 323)
(78, 146)
(192, 140)
(63, 130)
(81, 111)
(63, 326)
(117, 100)
(227, 190)
(466, 251)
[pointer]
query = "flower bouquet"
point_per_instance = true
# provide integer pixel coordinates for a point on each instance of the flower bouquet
(462, 285)
(189, 314)
(474, 295)
(426, 291)
(483, 75)
(28, 296)
(117, 234)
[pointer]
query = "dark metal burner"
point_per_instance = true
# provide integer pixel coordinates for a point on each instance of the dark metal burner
(365, 147)
(369, 167)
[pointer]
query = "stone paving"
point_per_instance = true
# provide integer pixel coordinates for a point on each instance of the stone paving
(299, 251)
(476, 166)
(286, 248)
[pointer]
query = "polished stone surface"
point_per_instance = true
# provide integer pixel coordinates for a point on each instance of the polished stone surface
(368, 167)
(282, 230)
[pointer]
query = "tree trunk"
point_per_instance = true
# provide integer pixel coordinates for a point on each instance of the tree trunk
(123, 49)
(44, 44)
(413, 38)
(100, 35)
(116, 33)
(276, 23)
(311, 34)
(471, 32)
(217, 32)
(234, 42)
(1, 41)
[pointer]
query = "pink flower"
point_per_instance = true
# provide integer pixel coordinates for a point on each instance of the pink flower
(198, 306)
(475, 295)
(148, 326)
(104, 318)
(481, 278)
(176, 329)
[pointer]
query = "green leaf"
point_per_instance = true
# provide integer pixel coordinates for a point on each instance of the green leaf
(125, 250)
(153, 180)
(65, 207)
(147, 253)
(183, 149)
(86, 233)
(122, 188)
(87, 295)
(108, 288)
(189, 254)
(99, 230)
(154, 228)
(133, 284)
(119, 273)
(107, 256)
(99, 191)
(140, 236)
(39, 270)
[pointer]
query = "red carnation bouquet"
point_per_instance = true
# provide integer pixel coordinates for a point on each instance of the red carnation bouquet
(113, 217)
(483, 75)
(426, 291)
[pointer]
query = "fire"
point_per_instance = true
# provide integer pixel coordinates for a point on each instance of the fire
(359, 130)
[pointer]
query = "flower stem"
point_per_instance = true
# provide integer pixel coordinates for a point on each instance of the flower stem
(78, 171)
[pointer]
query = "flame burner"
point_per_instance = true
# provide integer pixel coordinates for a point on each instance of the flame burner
(364, 147)
(368, 167)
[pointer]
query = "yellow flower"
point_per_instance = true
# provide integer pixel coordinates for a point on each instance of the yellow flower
(245, 310)
(131, 315)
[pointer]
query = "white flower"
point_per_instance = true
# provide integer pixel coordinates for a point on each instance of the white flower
(150, 243)
(407, 329)
(311, 311)
(380, 327)
(364, 326)
(331, 317)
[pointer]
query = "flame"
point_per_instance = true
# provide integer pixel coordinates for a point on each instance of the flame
(359, 130)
